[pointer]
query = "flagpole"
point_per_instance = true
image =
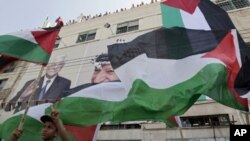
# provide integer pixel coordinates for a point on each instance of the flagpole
(181, 133)
(20, 126)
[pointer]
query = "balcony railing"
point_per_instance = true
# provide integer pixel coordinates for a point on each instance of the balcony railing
(232, 4)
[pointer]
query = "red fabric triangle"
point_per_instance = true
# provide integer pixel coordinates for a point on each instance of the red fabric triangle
(186, 5)
(225, 51)
(46, 39)
(82, 133)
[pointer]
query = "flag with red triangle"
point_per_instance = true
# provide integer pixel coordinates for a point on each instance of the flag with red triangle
(33, 46)
(205, 15)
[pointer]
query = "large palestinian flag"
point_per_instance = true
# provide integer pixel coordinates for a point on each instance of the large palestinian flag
(33, 46)
(162, 74)
(165, 62)
(205, 15)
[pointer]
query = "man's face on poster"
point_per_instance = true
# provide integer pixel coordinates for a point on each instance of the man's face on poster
(105, 73)
(54, 67)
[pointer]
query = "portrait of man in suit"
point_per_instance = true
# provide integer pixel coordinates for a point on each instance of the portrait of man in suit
(50, 88)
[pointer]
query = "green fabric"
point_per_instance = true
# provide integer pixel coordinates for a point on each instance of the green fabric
(22, 49)
(171, 17)
(31, 128)
(147, 103)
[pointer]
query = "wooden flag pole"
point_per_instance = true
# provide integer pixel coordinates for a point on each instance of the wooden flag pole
(181, 133)
(20, 126)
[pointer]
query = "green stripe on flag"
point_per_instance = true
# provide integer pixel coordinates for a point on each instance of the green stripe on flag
(171, 17)
(31, 128)
(147, 103)
(23, 49)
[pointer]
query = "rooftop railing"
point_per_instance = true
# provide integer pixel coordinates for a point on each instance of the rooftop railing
(232, 4)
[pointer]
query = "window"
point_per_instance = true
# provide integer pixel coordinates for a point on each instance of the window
(7, 64)
(120, 126)
(208, 120)
(2, 83)
(120, 140)
(57, 42)
(127, 27)
(9, 68)
(241, 3)
(232, 4)
(226, 5)
(86, 36)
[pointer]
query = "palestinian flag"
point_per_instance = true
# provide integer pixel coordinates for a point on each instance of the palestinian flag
(32, 125)
(195, 14)
(104, 102)
(178, 70)
(33, 46)
(79, 133)
(162, 74)
(205, 15)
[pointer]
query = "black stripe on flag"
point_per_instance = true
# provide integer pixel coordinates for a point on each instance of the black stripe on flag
(163, 43)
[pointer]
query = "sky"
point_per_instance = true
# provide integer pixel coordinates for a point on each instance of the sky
(16, 15)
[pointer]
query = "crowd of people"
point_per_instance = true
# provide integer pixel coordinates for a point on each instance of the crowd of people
(82, 17)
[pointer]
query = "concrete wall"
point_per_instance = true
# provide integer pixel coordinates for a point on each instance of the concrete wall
(156, 132)
(241, 19)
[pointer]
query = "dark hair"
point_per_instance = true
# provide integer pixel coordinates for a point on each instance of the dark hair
(46, 118)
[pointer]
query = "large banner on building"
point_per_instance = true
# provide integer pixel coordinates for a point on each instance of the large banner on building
(51, 86)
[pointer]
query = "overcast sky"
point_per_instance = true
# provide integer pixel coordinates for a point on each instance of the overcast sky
(16, 15)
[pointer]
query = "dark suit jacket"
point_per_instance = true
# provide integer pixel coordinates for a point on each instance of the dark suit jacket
(55, 92)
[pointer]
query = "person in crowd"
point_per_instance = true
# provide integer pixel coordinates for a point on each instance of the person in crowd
(52, 127)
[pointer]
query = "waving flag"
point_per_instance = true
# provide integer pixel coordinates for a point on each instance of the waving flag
(32, 125)
(33, 46)
(195, 14)
(162, 74)
(181, 69)
(205, 15)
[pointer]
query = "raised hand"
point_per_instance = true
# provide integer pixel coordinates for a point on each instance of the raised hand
(16, 134)
(54, 114)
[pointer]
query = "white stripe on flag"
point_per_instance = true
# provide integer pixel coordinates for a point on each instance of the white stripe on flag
(36, 111)
(190, 20)
(26, 35)
(236, 44)
(109, 91)
(162, 73)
